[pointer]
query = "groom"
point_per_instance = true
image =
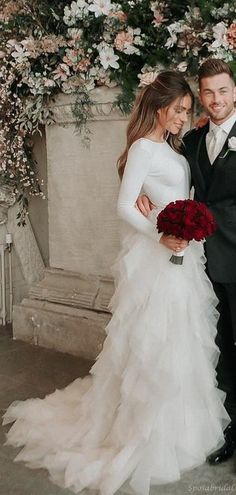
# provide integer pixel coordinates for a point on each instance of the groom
(211, 153)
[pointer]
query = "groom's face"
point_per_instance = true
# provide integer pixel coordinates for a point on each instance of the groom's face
(217, 95)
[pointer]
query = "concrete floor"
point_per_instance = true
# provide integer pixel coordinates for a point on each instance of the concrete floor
(27, 371)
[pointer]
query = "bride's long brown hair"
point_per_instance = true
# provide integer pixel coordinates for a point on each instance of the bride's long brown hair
(167, 86)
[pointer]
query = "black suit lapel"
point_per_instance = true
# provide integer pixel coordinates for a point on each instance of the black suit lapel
(232, 132)
(221, 161)
(202, 164)
(223, 153)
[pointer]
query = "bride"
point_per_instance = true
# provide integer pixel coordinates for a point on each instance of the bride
(149, 408)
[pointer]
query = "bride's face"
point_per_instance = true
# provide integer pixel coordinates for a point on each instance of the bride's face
(173, 118)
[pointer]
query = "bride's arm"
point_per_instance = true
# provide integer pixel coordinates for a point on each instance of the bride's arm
(136, 170)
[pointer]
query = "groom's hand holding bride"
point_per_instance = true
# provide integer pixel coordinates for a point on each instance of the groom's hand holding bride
(145, 206)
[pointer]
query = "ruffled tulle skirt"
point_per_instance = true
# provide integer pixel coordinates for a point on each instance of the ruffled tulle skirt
(149, 409)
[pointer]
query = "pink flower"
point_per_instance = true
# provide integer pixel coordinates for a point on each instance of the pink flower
(231, 36)
(83, 65)
(71, 58)
(119, 15)
(122, 39)
(62, 72)
(158, 18)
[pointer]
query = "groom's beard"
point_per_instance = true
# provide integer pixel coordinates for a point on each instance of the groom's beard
(220, 114)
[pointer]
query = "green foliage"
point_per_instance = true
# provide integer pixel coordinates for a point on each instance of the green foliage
(82, 110)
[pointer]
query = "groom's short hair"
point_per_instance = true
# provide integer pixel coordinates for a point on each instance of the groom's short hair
(213, 67)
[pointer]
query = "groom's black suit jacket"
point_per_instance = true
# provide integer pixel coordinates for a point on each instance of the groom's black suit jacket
(215, 185)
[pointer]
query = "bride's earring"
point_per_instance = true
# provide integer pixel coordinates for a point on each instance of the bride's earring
(167, 133)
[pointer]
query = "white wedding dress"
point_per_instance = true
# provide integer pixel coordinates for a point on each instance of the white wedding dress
(149, 409)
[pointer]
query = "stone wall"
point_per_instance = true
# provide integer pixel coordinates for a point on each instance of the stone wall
(82, 188)
(68, 308)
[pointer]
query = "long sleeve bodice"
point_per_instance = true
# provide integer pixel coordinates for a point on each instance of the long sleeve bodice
(160, 172)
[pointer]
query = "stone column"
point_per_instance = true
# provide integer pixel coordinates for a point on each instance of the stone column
(24, 260)
(68, 309)
(7, 199)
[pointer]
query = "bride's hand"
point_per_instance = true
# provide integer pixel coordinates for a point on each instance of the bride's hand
(173, 243)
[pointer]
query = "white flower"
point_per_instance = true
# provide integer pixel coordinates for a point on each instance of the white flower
(195, 51)
(219, 33)
(148, 68)
(232, 143)
(148, 78)
(193, 13)
(82, 4)
(219, 30)
(172, 40)
(174, 29)
(130, 49)
(221, 11)
(49, 83)
(231, 146)
(20, 54)
(100, 7)
(11, 43)
(75, 33)
(182, 67)
(177, 27)
(77, 10)
(108, 57)
(222, 53)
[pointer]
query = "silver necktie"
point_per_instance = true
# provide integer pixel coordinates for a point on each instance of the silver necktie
(215, 142)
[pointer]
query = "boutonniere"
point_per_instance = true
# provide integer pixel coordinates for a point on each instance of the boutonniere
(231, 146)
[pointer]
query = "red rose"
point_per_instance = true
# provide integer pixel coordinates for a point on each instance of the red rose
(187, 219)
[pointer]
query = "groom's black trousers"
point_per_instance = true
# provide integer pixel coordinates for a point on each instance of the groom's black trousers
(226, 336)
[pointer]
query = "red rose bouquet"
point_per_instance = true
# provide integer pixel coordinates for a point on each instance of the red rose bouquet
(187, 219)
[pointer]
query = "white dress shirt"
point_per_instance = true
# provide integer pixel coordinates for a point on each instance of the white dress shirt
(219, 135)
